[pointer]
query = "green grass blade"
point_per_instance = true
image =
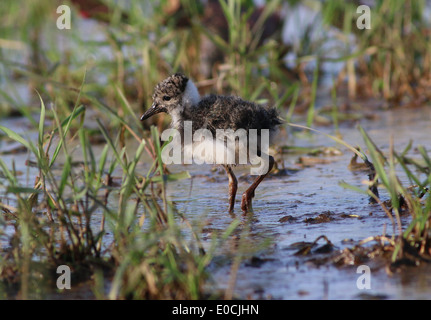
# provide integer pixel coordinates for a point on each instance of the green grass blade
(16, 189)
(172, 177)
(112, 145)
(16, 137)
(72, 116)
(67, 124)
(376, 157)
(336, 139)
(64, 175)
(41, 120)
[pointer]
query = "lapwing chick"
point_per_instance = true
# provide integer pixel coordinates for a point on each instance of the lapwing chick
(178, 96)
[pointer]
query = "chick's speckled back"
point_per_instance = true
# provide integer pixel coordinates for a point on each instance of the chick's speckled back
(230, 112)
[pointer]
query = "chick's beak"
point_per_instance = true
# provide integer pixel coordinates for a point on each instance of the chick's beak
(154, 109)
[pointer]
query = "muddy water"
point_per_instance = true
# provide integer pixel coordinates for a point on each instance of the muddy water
(283, 207)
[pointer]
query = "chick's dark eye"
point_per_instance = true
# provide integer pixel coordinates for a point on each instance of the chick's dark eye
(166, 98)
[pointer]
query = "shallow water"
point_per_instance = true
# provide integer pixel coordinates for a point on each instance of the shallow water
(302, 194)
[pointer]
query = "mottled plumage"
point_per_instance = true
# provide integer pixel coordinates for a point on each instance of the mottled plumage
(228, 112)
(178, 96)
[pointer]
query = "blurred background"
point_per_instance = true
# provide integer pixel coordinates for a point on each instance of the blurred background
(284, 53)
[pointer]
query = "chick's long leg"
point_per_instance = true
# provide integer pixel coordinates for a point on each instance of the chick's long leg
(249, 193)
(233, 186)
